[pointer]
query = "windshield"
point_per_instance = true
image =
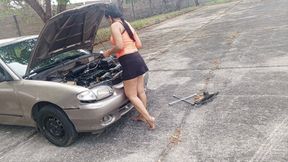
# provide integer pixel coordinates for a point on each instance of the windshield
(17, 56)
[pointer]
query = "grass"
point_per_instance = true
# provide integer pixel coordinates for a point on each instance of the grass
(103, 34)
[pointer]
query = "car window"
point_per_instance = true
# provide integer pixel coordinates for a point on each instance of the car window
(17, 55)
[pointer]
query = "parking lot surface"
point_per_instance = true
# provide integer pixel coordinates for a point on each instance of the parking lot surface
(238, 49)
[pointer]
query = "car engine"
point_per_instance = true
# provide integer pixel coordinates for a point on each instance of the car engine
(85, 72)
(104, 71)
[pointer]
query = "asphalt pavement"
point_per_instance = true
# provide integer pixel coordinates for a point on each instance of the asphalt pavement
(238, 49)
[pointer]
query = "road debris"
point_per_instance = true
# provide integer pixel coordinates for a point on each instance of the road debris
(175, 138)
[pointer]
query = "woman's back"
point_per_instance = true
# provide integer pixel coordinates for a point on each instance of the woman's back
(129, 45)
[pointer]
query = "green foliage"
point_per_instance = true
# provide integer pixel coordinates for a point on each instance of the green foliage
(63, 1)
(130, 1)
(11, 7)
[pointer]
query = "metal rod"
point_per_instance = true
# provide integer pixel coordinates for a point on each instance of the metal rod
(184, 100)
(181, 99)
(17, 25)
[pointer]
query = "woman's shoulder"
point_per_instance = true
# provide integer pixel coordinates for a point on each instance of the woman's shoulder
(116, 24)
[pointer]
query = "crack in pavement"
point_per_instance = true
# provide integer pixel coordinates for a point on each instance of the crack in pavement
(177, 132)
(274, 140)
(4, 151)
(222, 68)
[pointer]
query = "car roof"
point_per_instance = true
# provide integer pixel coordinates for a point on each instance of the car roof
(8, 41)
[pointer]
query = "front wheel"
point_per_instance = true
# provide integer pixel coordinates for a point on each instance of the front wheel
(56, 126)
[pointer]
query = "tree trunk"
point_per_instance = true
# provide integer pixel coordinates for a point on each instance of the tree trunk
(132, 4)
(37, 8)
(120, 5)
(165, 3)
(196, 2)
(62, 5)
(178, 4)
(151, 9)
(48, 9)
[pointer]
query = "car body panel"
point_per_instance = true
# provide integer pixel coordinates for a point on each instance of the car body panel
(10, 109)
(24, 94)
(31, 91)
(89, 116)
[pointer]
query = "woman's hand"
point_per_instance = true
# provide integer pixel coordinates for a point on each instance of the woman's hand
(107, 53)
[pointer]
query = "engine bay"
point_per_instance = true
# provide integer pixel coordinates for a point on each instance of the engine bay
(87, 72)
(104, 71)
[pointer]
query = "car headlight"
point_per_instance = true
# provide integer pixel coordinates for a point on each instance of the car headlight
(87, 96)
(97, 93)
(102, 92)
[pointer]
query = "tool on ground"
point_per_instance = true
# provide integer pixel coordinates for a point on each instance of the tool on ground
(181, 99)
(199, 99)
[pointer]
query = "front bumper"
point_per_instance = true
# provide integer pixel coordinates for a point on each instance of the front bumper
(91, 117)
(96, 116)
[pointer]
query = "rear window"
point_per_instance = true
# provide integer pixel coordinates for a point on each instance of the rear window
(17, 55)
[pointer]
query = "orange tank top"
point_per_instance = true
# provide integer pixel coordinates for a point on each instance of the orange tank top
(128, 44)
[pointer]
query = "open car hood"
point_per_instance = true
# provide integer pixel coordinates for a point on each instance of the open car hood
(70, 30)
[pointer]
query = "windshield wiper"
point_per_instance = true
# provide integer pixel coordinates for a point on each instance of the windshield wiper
(41, 69)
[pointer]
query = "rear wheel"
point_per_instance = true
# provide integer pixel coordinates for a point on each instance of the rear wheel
(56, 126)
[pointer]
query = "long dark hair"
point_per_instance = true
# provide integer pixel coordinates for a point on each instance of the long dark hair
(114, 12)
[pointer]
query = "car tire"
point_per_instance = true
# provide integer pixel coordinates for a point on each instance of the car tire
(56, 126)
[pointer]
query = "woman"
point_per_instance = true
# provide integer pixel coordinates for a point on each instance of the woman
(126, 43)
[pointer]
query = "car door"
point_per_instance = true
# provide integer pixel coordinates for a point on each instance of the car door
(10, 108)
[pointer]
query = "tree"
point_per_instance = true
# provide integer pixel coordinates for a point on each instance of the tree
(165, 4)
(35, 5)
(120, 5)
(150, 6)
(62, 4)
(196, 2)
(44, 11)
(178, 4)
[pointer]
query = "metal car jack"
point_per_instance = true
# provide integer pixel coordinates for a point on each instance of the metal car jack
(199, 99)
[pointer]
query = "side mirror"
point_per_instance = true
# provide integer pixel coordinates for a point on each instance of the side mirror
(3, 77)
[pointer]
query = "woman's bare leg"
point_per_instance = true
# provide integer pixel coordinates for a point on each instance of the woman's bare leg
(141, 90)
(130, 87)
(142, 95)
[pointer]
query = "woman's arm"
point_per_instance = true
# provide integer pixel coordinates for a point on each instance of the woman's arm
(116, 34)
